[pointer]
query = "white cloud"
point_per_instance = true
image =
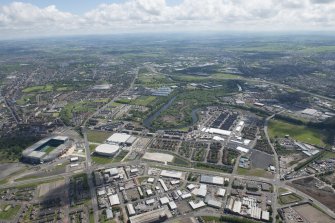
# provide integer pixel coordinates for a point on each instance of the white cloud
(154, 15)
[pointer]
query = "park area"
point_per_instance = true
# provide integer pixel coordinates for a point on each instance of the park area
(298, 132)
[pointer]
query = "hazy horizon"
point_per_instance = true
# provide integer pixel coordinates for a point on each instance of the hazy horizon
(26, 19)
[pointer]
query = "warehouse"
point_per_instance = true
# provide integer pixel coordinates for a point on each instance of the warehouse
(217, 131)
(107, 150)
(197, 205)
(172, 174)
(211, 180)
(114, 199)
(121, 139)
(159, 215)
(131, 210)
(46, 149)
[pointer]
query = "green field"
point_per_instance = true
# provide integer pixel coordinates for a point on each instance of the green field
(327, 155)
(218, 76)
(38, 88)
(120, 156)
(97, 136)
(9, 214)
(152, 80)
(297, 132)
(83, 107)
(101, 159)
(288, 199)
(48, 149)
(144, 100)
(254, 172)
(178, 115)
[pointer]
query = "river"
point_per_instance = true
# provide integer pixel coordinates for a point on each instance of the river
(148, 121)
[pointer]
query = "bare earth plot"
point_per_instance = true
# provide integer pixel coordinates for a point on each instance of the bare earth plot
(312, 214)
(307, 185)
(160, 157)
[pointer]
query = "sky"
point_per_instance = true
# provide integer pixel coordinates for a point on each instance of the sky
(33, 18)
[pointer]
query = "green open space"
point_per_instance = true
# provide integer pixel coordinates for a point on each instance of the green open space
(48, 149)
(82, 107)
(327, 155)
(120, 156)
(298, 132)
(152, 80)
(10, 213)
(254, 172)
(38, 88)
(97, 136)
(217, 76)
(289, 198)
(179, 114)
(144, 100)
(101, 159)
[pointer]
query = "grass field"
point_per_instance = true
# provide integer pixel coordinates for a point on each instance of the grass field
(38, 88)
(327, 155)
(10, 213)
(298, 132)
(48, 149)
(101, 159)
(180, 161)
(288, 199)
(144, 100)
(254, 172)
(120, 156)
(218, 76)
(152, 80)
(97, 136)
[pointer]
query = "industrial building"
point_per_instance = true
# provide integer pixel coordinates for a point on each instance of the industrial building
(172, 174)
(107, 149)
(121, 139)
(46, 149)
(158, 215)
(211, 180)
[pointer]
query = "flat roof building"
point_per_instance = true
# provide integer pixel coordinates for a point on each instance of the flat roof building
(197, 205)
(172, 174)
(221, 192)
(211, 180)
(158, 215)
(214, 203)
(107, 150)
(131, 210)
(164, 200)
(114, 199)
(172, 205)
(119, 138)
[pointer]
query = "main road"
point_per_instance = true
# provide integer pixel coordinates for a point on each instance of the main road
(89, 169)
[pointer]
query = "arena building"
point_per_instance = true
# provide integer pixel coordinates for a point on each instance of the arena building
(107, 149)
(46, 149)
